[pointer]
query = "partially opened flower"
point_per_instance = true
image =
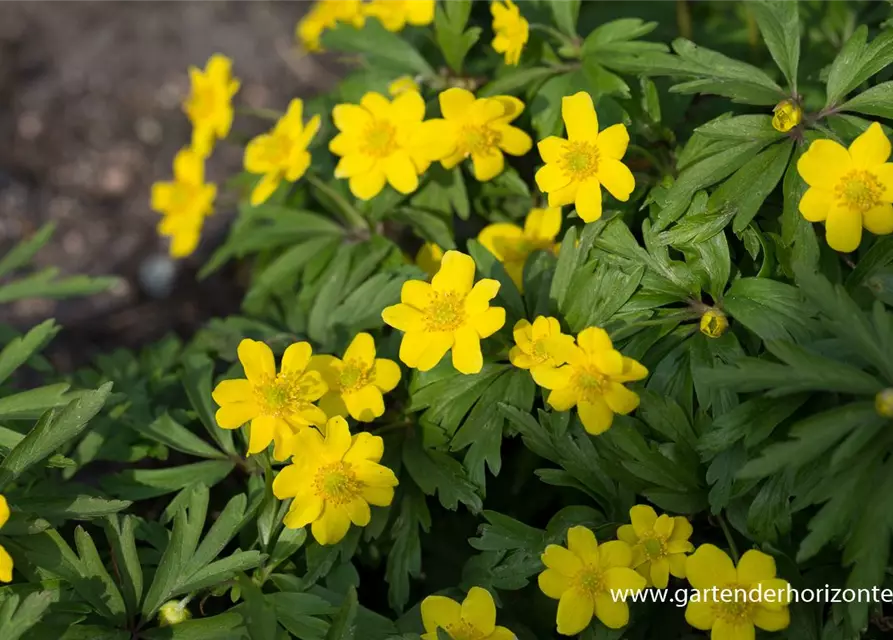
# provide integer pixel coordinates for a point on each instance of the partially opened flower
(724, 606)
(402, 85)
(474, 619)
(659, 544)
(5, 558)
(428, 258)
(184, 202)
(394, 15)
(589, 579)
(325, 14)
(592, 380)
(282, 153)
(578, 167)
(383, 141)
(277, 405)
(539, 346)
(478, 128)
(356, 382)
(452, 312)
(511, 29)
(512, 245)
(209, 105)
(849, 188)
(332, 480)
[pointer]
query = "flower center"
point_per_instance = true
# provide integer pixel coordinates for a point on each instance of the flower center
(337, 483)
(591, 580)
(479, 139)
(655, 548)
(354, 376)
(183, 197)
(283, 395)
(539, 352)
(203, 102)
(590, 383)
(446, 312)
(739, 609)
(380, 140)
(462, 630)
(580, 160)
(860, 190)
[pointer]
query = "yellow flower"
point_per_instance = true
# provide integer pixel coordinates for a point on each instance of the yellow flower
(333, 480)
(209, 105)
(5, 558)
(276, 405)
(184, 203)
(282, 153)
(384, 141)
(428, 258)
(325, 14)
(883, 403)
(479, 128)
(474, 619)
(714, 323)
(787, 114)
(537, 345)
(511, 30)
(592, 380)
(452, 312)
(394, 14)
(849, 189)
(578, 167)
(511, 244)
(659, 544)
(731, 614)
(402, 84)
(173, 612)
(582, 576)
(357, 382)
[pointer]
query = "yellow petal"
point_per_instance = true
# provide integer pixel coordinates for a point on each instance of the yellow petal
(608, 361)
(455, 102)
(301, 513)
(553, 583)
(361, 349)
(632, 371)
(374, 475)
(261, 433)
(643, 518)
(417, 293)
(627, 533)
(282, 440)
(479, 611)
(561, 560)
(579, 117)
(488, 322)
(771, 620)
(487, 165)
(378, 496)
(682, 529)
(467, 357)
(456, 273)
(588, 201)
(551, 149)
(296, 357)
(401, 172)
(564, 195)
(5, 565)
(612, 142)
(613, 614)
(824, 163)
(358, 512)
(291, 480)
(500, 238)
(265, 187)
(554, 378)
(709, 566)
(660, 573)
(884, 175)
(512, 108)
(616, 178)
(368, 185)
(581, 542)
(408, 107)
(354, 164)
(755, 566)
(550, 178)
(344, 144)
(620, 399)
(594, 340)
(386, 374)
(233, 416)
(403, 317)
(879, 220)
(871, 148)
(365, 446)
(575, 610)
(738, 630)
(514, 141)
(338, 439)
(376, 104)
(231, 391)
(843, 229)
(331, 526)
(423, 351)
(350, 118)
(257, 360)
(614, 553)
(478, 299)
(332, 405)
(677, 563)
(189, 166)
(815, 204)
(561, 399)
(700, 615)
(596, 416)
(439, 611)
(543, 224)
(365, 404)
(4, 510)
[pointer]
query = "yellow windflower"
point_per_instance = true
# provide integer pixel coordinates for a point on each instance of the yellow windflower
(474, 619)
(849, 188)
(384, 141)
(403, 84)
(282, 153)
(428, 258)
(728, 612)
(511, 244)
(582, 576)
(714, 323)
(5, 558)
(479, 128)
(325, 14)
(395, 14)
(357, 382)
(786, 115)
(537, 345)
(333, 480)
(209, 105)
(592, 380)
(659, 544)
(452, 312)
(511, 29)
(578, 167)
(184, 203)
(276, 405)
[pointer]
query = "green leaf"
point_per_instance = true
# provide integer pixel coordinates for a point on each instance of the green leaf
(771, 309)
(46, 284)
(566, 13)
(32, 404)
(197, 372)
(78, 507)
(119, 531)
(383, 49)
(515, 79)
(21, 254)
(615, 36)
(224, 626)
(741, 128)
(876, 101)
(752, 421)
(17, 352)
(504, 533)
(857, 62)
(260, 618)
(332, 287)
(449, 31)
(437, 473)
(779, 24)
(489, 267)
(53, 430)
(344, 624)
(429, 226)
(168, 431)
(405, 558)
(545, 108)
(19, 616)
(141, 484)
(93, 570)
(750, 185)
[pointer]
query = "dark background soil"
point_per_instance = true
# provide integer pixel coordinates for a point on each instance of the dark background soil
(90, 116)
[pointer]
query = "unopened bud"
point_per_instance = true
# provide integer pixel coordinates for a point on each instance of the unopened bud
(787, 115)
(714, 323)
(173, 612)
(883, 403)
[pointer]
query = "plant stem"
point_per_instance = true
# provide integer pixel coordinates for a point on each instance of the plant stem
(266, 114)
(351, 215)
(729, 539)
(555, 33)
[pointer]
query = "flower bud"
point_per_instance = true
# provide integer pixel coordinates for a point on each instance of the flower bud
(173, 612)
(883, 403)
(402, 85)
(714, 323)
(787, 115)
